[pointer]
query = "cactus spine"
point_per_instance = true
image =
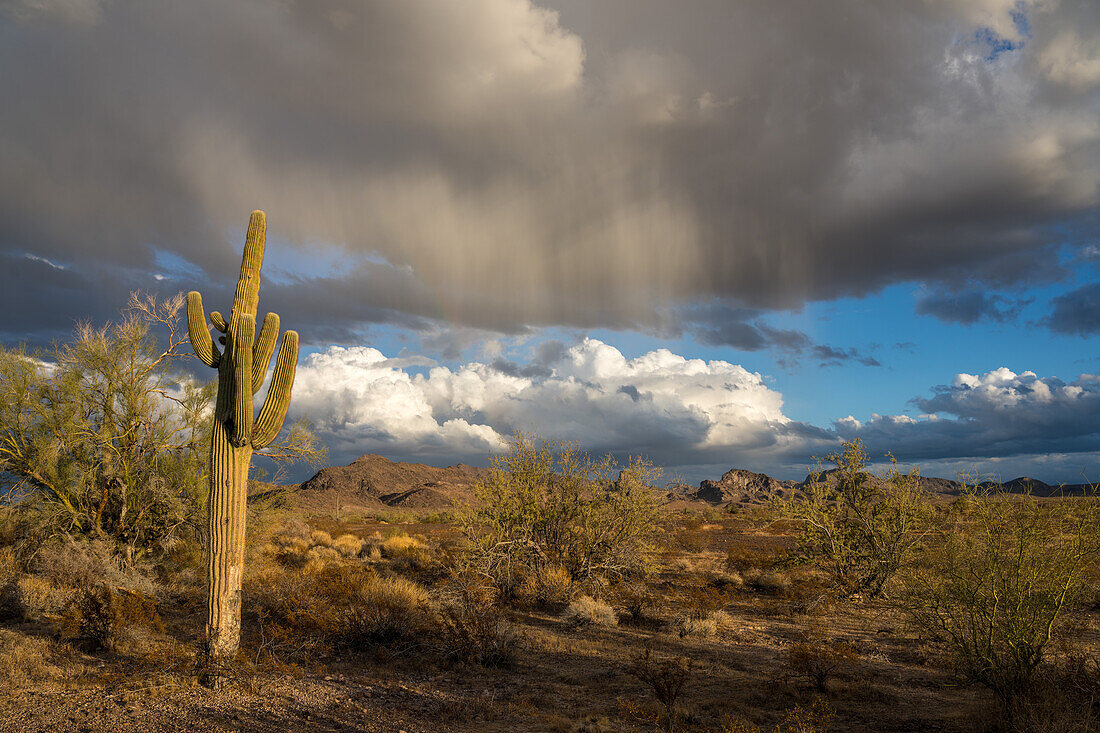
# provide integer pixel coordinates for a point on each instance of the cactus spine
(235, 434)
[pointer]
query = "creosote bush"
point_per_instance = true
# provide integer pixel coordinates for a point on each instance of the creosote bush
(859, 528)
(545, 504)
(472, 628)
(997, 579)
(666, 678)
(815, 657)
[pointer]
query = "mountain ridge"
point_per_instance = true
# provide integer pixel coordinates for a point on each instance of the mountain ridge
(374, 482)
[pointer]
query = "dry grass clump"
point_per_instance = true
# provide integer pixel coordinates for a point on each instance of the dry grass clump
(317, 558)
(769, 582)
(348, 545)
(321, 538)
(336, 605)
(36, 599)
(550, 587)
(704, 627)
(588, 611)
(31, 660)
(402, 545)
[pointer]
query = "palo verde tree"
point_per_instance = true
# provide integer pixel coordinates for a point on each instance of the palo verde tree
(99, 435)
(235, 433)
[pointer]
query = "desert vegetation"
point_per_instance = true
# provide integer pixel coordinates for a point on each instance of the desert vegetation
(570, 595)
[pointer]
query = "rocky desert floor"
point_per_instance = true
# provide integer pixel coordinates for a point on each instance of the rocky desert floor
(759, 653)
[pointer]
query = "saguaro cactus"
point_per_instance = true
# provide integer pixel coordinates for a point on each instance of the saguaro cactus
(241, 367)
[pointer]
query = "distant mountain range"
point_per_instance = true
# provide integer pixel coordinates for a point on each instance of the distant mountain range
(373, 482)
(746, 487)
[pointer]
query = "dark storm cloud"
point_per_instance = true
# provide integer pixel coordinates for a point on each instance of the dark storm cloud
(744, 329)
(969, 307)
(998, 414)
(515, 167)
(1076, 312)
(833, 356)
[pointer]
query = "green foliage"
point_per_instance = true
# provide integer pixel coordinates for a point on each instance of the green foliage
(545, 504)
(861, 529)
(102, 432)
(998, 579)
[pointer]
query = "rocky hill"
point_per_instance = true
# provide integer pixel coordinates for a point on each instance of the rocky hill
(741, 486)
(374, 482)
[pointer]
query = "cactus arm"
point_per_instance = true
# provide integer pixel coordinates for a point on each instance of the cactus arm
(200, 335)
(263, 349)
(240, 349)
(219, 321)
(273, 413)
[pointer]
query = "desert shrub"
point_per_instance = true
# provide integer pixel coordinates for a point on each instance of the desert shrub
(634, 597)
(100, 616)
(860, 529)
(587, 611)
(817, 717)
(666, 678)
(293, 528)
(546, 504)
(550, 587)
(348, 545)
(70, 562)
(338, 605)
(472, 627)
(995, 584)
(816, 657)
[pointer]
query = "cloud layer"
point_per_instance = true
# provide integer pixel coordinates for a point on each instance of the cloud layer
(677, 411)
(500, 164)
(698, 418)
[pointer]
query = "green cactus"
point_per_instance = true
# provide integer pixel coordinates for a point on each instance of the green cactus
(235, 434)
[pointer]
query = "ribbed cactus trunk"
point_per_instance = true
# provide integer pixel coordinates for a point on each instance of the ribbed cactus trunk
(234, 435)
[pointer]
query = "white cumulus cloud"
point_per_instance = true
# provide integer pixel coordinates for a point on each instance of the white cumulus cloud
(675, 409)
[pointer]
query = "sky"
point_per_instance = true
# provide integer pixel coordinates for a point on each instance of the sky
(718, 233)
